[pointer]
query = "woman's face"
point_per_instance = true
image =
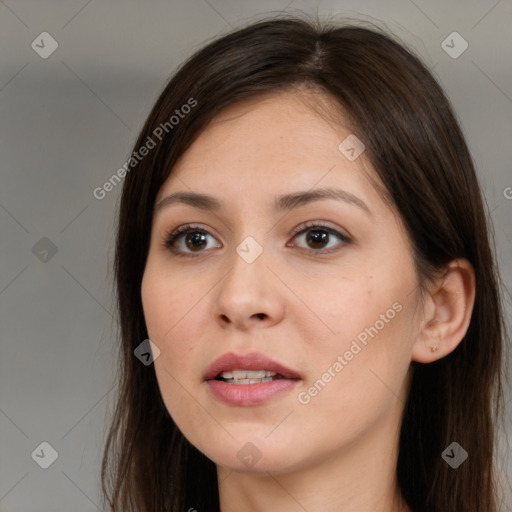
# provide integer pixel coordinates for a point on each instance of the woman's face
(326, 287)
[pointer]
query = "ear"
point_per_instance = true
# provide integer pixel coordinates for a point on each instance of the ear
(447, 312)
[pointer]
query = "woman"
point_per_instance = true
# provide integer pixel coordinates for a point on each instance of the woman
(303, 239)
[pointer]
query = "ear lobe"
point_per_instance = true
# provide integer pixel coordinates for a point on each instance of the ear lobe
(450, 308)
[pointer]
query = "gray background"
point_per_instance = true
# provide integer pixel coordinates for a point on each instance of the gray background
(69, 121)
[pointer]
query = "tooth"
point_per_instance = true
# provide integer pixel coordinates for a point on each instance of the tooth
(248, 374)
(249, 381)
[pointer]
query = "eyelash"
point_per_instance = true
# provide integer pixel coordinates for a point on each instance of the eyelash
(171, 237)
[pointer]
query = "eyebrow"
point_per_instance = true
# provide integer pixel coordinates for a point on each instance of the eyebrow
(282, 203)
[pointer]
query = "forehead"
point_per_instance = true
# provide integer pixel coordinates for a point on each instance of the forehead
(277, 139)
(276, 123)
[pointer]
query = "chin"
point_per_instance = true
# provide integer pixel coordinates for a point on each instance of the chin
(249, 459)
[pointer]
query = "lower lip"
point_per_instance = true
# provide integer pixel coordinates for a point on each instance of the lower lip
(249, 394)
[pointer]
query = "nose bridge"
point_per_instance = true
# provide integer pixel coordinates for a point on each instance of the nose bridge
(247, 267)
(245, 293)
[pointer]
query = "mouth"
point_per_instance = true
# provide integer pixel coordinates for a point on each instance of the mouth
(249, 380)
(248, 376)
(244, 368)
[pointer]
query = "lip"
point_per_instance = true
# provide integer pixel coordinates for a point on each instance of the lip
(249, 394)
(251, 361)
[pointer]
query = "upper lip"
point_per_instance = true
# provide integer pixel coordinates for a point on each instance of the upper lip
(252, 361)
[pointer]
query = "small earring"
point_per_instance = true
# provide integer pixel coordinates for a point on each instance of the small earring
(433, 348)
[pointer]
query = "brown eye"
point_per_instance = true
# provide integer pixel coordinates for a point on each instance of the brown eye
(187, 240)
(195, 240)
(317, 238)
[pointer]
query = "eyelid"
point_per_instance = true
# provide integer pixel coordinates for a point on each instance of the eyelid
(321, 224)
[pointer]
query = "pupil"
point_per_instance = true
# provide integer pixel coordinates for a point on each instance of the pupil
(194, 237)
(317, 236)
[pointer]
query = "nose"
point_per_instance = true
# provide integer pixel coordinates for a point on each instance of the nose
(249, 295)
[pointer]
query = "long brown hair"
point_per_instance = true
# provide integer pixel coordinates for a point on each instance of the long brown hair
(416, 146)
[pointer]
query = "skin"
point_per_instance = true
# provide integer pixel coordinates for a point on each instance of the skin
(338, 452)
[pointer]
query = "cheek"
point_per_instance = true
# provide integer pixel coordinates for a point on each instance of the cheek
(163, 302)
(162, 312)
(357, 376)
(347, 306)
(171, 321)
(182, 404)
(367, 322)
(154, 303)
(161, 317)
